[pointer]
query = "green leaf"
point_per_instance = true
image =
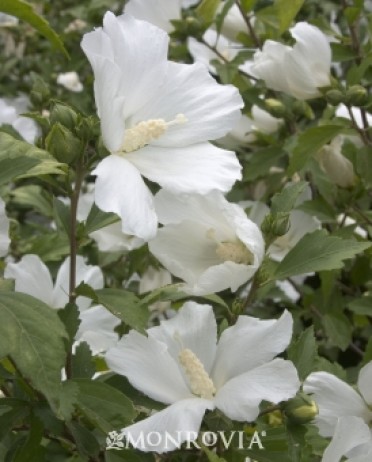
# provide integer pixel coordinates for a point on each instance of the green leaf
(18, 158)
(35, 197)
(26, 12)
(361, 306)
(338, 329)
(98, 219)
(207, 9)
(285, 200)
(303, 352)
(61, 215)
(261, 162)
(85, 440)
(281, 14)
(212, 456)
(126, 306)
(82, 366)
(287, 11)
(33, 336)
(31, 450)
(318, 251)
(103, 405)
(309, 143)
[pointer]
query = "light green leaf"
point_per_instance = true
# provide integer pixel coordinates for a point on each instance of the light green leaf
(26, 12)
(338, 329)
(212, 456)
(105, 406)
(286, 199)
(309, 143)
(303, 352)
(98, 219)
(361, 306)
(33, 336)
(126, 306)
(21, 159)
(207, 9)
(281, 14)
(35, 197)
(318, 251)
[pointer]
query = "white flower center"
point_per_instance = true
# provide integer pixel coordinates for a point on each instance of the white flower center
(234, 251)
(200, 382)
(145, 132)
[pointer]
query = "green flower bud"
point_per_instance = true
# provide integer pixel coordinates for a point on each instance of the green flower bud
(62, 144)
(301, 409)
(335, 97)
(356, 95)
(275, 224)
(65, 115)
(275, 107)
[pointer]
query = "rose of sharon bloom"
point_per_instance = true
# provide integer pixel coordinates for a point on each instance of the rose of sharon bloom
(10, 110)
(180, 364)
(71, 81)
(337, 167)
(160, 13)
(156, 117)
(233, 22)
(32, 277)
(206, 241)
(344, 413)
(299, 70)
(4, 230)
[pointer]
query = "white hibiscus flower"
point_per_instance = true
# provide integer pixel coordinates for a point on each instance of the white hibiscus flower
(299, 70)
(180, 364)
(156, 118)
(32, 277)
(344, 413)
(206, 241)
(10, 114)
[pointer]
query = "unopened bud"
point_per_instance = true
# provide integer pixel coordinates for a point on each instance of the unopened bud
(335, 97)
(275, 107)
(301, 409)
(65, 115)
(62, 144)
(303, 109)
(275, 224)
(356, 96)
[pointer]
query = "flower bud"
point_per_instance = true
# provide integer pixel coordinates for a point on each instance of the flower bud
(275, 224)
(275, 107)
(301, 409)
(303, 109)
(335, 97)
(356, 96)
(65, 115)
(337, 167)
(62, 144)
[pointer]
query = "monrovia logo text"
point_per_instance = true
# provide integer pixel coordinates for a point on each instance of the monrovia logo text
(190, 440)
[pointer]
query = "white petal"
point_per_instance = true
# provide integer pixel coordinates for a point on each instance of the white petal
(264, 122)
(107, 90)
(112, 239)
(153, 279)
(365, 383)
(120, 189)
(248, 344)
(198, 169)
(211, 109)
(31, 277)
(97, 329)
(350, 432)
(335, 399)
(185, 250)
(159, 13)
(91, 275)
(181, 422)
(241, 396)
(4, 229)
(149, 367)
(194, 328)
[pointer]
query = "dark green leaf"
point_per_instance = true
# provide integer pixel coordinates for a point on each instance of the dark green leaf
(303, 352)
(98, 219)
(318, 251)
(309, 143)
(287, 198)
(103, 405)
(33, 336)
